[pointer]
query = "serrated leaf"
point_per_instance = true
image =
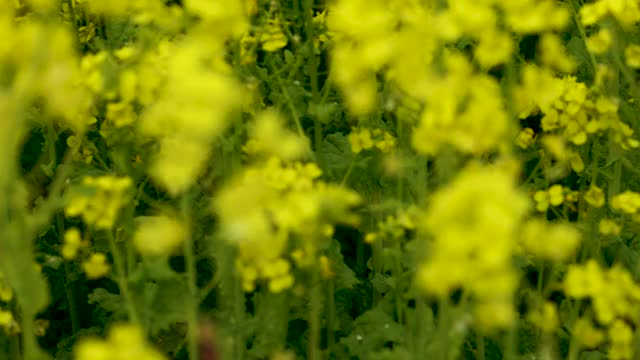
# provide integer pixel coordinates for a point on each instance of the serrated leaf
(345, 277)
(371, 332)
(383, 283)
(159, 290)
(106, 300)
(337, 154)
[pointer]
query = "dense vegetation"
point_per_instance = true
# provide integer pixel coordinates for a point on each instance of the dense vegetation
(310, 179)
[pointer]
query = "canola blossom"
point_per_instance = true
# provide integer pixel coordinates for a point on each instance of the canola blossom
(310, 179)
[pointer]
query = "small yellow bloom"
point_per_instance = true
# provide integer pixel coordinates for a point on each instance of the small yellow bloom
(546, 318)
(158, 235)
(584, 280)
(587, 334)
(621, 337)
(600, 42)
(556, 195)
(272, 37)
(608, 227)
(72, 243)
(526, 137)
(542, 200)
(325, 267)
(96, 267)
(627, 202)
(632, 56)
(6, 293)
(595, 196)
(124, 341)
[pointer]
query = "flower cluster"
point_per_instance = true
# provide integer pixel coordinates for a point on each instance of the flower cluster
(158, 235)
(570, 108)
(7, 320)
(625, 11)
(125, 342)
(627, 202)
(277, 213)
(396, 227)
(556, 195)
(366, 139)
(189, 115)
(99, 199)
(473, 245)
(269, 137)
(556, 242)
(615, 300)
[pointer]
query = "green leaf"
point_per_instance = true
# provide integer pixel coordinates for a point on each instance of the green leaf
(345, 277)
(371, 332)
(383, 283)
(108, 301)
(337, 154)
(161, 294)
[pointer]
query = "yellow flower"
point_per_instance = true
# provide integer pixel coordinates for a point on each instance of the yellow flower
(546, 318)
(269, 137)
(96, 267)
(9, 323)
(584, 280)
(608, 227)
(526, 137)
(621, 338)
(72, 243)
(494, 48)
(158, 235)
(587, 334)
(124, 342)
(600, 42)
(325, 267)
(632, 56)
(556, 195)
(556, 242)
(554, 55)
(542, 200)
(100, 200)
(272, 38)
(595, 196)
(627, 202)
(492, 211)
(6, 293)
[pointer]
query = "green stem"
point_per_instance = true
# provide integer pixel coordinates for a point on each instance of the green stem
(510, 346)
(481, 346)
(443, 328)
(122, 279)
(313, 347)
(348, 173)
(331, 313)
(238, 310)
(575, 7)
(192, 306)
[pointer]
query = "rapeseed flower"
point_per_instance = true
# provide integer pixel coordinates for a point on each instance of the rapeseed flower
(609, 227)
(627, 12)
(274, 206)
(72, 244)
(96, 266)
(124, 342)
(269, 137)
(628, 202)
(481, 235)
(588, 335)
(600, 42)
(595, 196)
(99, 200)
(158, 235)
(557, 242)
